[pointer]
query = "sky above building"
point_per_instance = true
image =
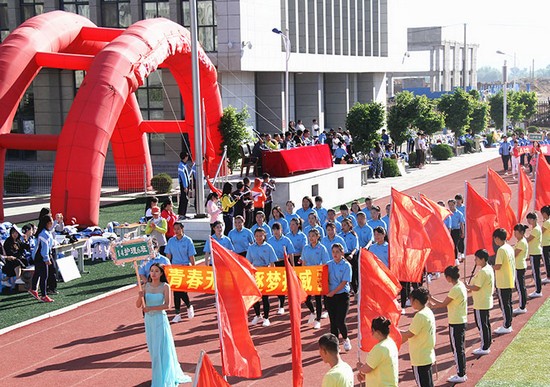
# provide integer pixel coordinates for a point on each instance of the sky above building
(518, 28)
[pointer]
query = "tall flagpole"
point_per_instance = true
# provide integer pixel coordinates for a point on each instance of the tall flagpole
(198, 369)
(359, 308)
(216, 301)
(536, 178)
(465, 227)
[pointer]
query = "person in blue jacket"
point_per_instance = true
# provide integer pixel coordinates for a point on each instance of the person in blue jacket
(43, 260)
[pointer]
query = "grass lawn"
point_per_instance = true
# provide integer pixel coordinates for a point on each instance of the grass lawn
(525, 361)
(123, 213)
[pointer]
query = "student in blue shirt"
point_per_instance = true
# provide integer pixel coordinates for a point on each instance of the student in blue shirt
(386, 218)
(260, 223)
(344, 211)
(290, 213)
(456, 223)
(504, 152)
(462, 208)
(380, 246)
(376, 221)
(368, 207)
(146, 265)
(314, 254)
(281, 244)
(277, 216)
(307, 208)
(298, 239)
(321, 211)
(261, 254)
(240, 236)
(43, 268)
(313, 224)
(180, 250)
(363, 230)
(351, 250)
(219, 236)
(339, 277)
(355, 208)
(331, 237)
(331, 218)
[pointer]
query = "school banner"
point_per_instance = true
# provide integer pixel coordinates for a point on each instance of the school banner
(544, 149)
(271, 280)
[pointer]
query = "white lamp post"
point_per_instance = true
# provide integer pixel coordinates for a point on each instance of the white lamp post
(504, 82)
(286, 42)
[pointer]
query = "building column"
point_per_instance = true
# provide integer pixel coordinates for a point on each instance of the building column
(337, 99)
(446, 67)
(371, 87)
(309, 98)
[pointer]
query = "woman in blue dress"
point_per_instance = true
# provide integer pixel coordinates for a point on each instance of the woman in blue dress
(166, 369)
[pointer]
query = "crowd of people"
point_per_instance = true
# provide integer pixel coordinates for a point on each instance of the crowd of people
(512, 151)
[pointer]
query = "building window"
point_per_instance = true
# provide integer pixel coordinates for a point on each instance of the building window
(153, 9)
(78, 79)
(151, 103)
(4, 29)
(116, 13)
(206, 15)
(80, 7)
(30, 8)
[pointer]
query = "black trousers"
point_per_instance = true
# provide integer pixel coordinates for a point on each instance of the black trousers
(423, 375)
(41, 273)
(337, 307)
(265, 302)
(505, 162)
(283, 297)
(406, 290)
(456, 337)
(228, 223)
(267, 210)
(178, 296)
(455, 235)
(354, 261)
(318, 306)
(183, 202)
(505, 300)
(483, 323)
(535, 267)
(546, 255)
(520, 287)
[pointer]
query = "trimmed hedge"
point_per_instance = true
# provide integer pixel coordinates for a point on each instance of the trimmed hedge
(442, 152)
(390, 167)
(412, 160)
(17, 182)
(162, 183)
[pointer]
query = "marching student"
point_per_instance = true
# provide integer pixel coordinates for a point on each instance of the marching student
(298, 239)
(281, 244)
(331, 237)
(331, 218)
(289, 211)
(352, 250)
(307, 208)
(376, 220)
(421, 338)
(277, 216)
(505, 268)
(240, 236)
(534, 241)
(340, 373)
(313, 224)
(521, 253)
(381, 367)
(43, 262)
(261, 254)
(380, 246)
(321, 211)
(482, 288)
(545, 211)
(363, 230)
(457, 312)
(220, 237)
(260, 223)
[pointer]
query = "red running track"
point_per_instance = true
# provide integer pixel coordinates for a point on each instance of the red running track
(103, 343)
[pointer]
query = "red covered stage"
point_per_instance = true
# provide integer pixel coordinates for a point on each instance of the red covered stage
(284, 163)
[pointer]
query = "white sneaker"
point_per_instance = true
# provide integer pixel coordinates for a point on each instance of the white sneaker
(266, 323)
(520, 311)
(281, 311)
(535, 295)
(408, 303)
(457, 262)
(546, 281)
(429, 278)
(311, 318)
(19, 281)
(404, 311)
(503, 331)
(317, 325)
(437, 275)
(324, 314)
(457, 379)
(481, 352)
(177, 318)
(190, 312)
(256, 320)
(347, 345)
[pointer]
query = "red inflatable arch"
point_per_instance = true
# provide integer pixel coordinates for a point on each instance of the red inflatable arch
(105, 108)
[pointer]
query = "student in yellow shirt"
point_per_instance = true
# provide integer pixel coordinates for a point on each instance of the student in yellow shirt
(381, 367)
(421, 337)
(457, 312)
(534, 241)
(521, 252)
(482, 288)
(505, 268)
(545, 211)
(340, 373)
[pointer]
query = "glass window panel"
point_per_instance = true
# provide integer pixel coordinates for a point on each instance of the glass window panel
(156, 144)
(149, 10)
(155, 79)
(186, 14)
(3, 1)
(125, 17)
(204, 13)
(206, 38)
(145, 114)
(4, 35)
(141, 94)
(3, 17)
(84, 10)
(155, 99)
(164, 10)
(70, 8)
(156, 114)
(78, 78)
(109, 14)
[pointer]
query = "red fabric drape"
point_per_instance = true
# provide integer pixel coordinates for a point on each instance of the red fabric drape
(542, 183)
(525, 194)
(207, 376)
(499, 194)
(481, 221)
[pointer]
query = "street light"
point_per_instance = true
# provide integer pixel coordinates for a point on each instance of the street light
(504, 82)
(286, 42)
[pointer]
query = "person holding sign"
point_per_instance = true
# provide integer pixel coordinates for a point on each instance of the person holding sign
(181, 251)
(145, 267)
(166, 369)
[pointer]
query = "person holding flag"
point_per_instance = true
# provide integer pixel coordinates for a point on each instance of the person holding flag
(521, 253)
(381, 367)
(534, 241)
(340, 373)
(505, 268)
(457, 312)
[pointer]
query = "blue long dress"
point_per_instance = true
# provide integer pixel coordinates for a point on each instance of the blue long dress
(165, 366)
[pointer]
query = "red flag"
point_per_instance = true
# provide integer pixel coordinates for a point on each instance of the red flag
(443, 248)
(409, 244)
(542, 183)
(525, 194)
(499, 194)
(213, 187)
(378, 288)
(236, 292)
(296, 295)
(206, 375)
(480, 222)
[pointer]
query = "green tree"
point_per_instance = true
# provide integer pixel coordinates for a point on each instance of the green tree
(495, 109)
(401, 117)
(428, 119)
(457, 109)
(528, 102)
(363, 121)
(234, 133)
(480, 117)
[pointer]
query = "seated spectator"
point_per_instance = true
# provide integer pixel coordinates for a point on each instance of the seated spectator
(157, 227)
(288, 142)
(58, 225)
(306, 138)
(298, 138)
(340, 152)
(270, 143)
(149, 204)
(13, 254)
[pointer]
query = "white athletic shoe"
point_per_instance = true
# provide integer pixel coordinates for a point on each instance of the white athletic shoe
(481, 352)
(535, 295)
(256, 320)
(317, 325)
(347, 345)
(429, 278)
(546, 281)
(177, 318)
(324, 314)
(311, 318)
(457, 379)
(266, 323)
(403, 311)
(281, 311)
(457, 262)
(520, 311)
(503, 331)
(19, 281)
(190, 312)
